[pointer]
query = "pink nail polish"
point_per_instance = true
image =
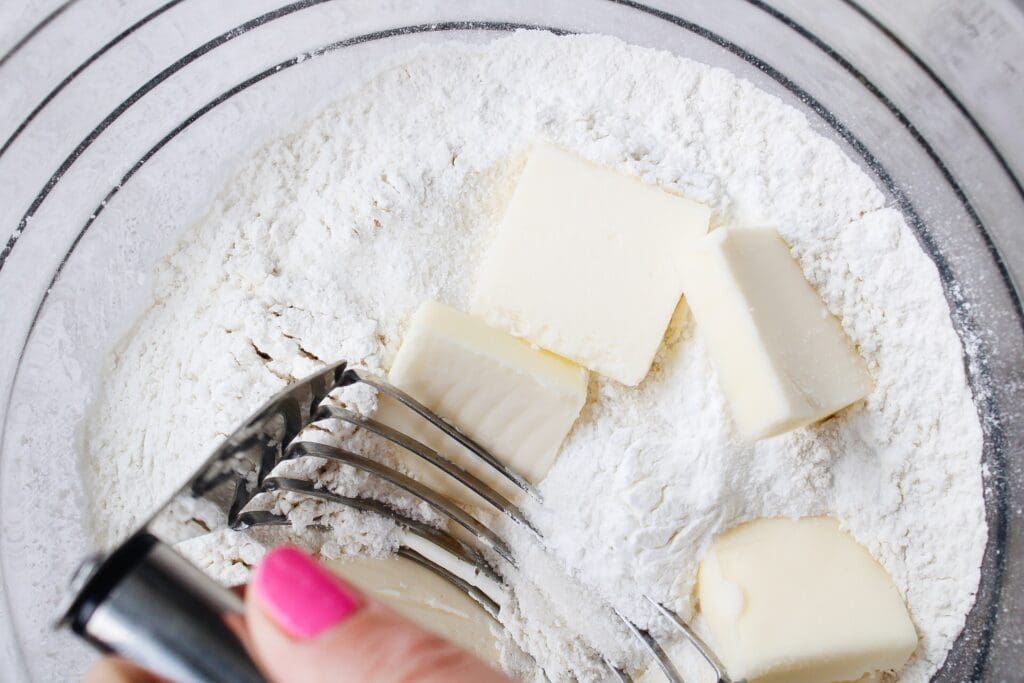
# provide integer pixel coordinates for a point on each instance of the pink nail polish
(300, 595)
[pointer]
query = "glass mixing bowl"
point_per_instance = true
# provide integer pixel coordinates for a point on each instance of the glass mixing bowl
(107, 113)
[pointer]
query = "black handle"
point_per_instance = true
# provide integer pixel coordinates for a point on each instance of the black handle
(148, 604)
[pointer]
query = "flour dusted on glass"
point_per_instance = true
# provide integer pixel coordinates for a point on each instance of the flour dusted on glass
(328, 239)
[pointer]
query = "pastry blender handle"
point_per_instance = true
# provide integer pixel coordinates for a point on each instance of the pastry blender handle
(148, 604)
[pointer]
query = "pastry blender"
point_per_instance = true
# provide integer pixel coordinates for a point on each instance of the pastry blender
(147, 603)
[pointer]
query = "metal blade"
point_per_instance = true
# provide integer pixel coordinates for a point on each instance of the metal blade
(234, 473)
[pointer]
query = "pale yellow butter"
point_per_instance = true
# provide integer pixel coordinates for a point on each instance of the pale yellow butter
(800, 601)
(782, 359)
(586, 263)
(424, 597)
(517, 401)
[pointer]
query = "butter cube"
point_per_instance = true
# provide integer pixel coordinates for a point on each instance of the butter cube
(800, 601)
(518, 402)
(586, 263)
(422, 596)
(782, 359)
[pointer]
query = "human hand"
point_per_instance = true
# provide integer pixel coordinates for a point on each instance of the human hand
(305, 625)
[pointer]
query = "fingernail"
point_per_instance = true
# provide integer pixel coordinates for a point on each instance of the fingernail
(303, 597)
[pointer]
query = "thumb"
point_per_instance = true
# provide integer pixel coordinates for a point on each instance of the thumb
(309, 626)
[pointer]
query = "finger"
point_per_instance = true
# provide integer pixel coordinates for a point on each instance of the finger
(114, 670)
(309, 626)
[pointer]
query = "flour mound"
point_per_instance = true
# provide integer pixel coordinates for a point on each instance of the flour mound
(328, 239)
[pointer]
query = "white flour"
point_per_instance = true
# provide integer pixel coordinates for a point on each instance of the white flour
(327, 240)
